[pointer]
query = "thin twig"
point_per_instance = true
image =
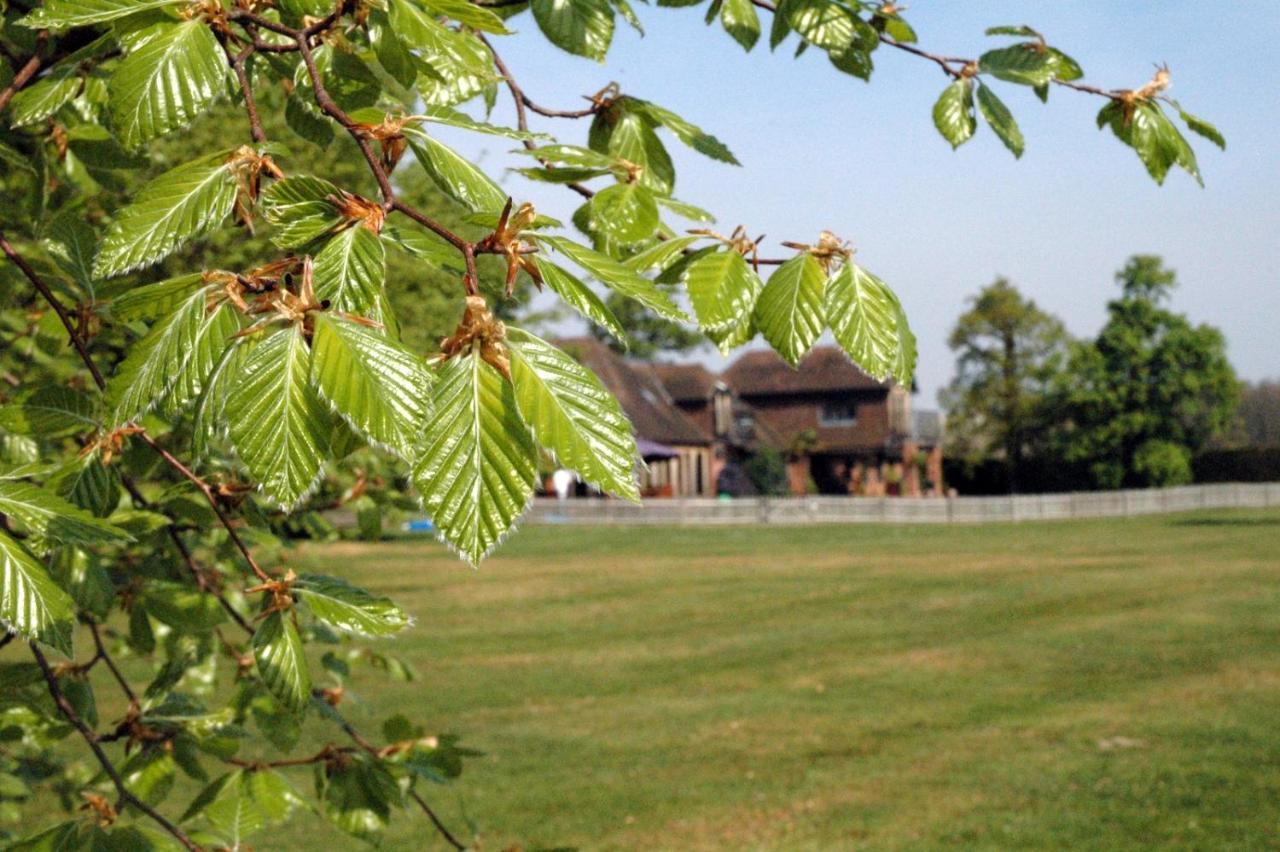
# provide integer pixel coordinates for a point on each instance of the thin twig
(28, 70)
(522, 119)
(205, 488)
(111, 664)
(250, 106)
(30, 274)
(95, 745)
(370, 748)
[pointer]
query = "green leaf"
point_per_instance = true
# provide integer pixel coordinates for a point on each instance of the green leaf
(789, 310)
(661, 254)
(1000, 120)
(301, 209)
(898, 29)
(778, 31)
(153, 301)
(167, 81)
(741, 22)
(50, 411)
(571, 155)
(582, 27)
(96, 148)
(462, 66)
(1028, 64)
(453, 118)
(216, 330)
(70, 241)
(617, 277)
(1201, 127)
(277, 648)
(953, 113)
(629, 136)
(455, 176)
(580, 297)
(857, 63)
(573, 415)
(377, 385)
(1012, 30)
(730, 339)
(393, 55)
(51, 518)
(685, 209)
(420, 242)
(350, 269)
(150, 774)
(344, 607)
(357, 797)
(305, 119)
(477, 473)
(207, 422)
(276, 421)
(721, 289)
(244, 802)
(475, 17)
(61, 14)
(1064, 67)
(89, 484)
(822, 23)
(45, 96)
(1150, 133)
(31, 603)
(868, 322)
(182, 606)
(349, 81)
(155, 361)
(687, 132)
(181, 204)
(626, 212)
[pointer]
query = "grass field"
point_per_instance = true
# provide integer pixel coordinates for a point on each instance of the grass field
(1105, 685)
(1102, 684)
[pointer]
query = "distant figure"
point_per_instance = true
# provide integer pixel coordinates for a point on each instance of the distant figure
(562, 481)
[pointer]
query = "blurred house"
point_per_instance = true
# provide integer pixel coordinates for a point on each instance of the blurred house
(840, 431)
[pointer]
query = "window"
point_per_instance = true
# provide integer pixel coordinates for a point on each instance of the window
(838, 413)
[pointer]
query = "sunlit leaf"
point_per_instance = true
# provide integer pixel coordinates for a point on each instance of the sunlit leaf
(477, 471)
(573, 415)
(789, 311)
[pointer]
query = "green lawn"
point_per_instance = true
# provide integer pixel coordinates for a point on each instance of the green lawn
(1109, 684)
(1079, 684)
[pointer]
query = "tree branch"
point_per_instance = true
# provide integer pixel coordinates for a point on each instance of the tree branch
(111, 664)
(206, 489)
(28, 70)
(370, 748)
(522, 119)
(250, 106)
(95, 745)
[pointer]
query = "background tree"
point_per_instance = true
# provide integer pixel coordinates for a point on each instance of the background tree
(1257, 422)
(1008, 351)
(1150, 386)
(163, 424)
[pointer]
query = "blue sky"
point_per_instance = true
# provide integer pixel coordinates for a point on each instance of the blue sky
(823, 150)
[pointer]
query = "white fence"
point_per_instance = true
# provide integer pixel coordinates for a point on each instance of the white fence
(905, 510)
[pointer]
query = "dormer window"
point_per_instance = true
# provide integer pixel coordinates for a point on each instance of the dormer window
(838, 412)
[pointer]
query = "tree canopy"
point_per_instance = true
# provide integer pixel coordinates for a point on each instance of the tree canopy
(1135, 403)
(198, 332)
(1008, 351)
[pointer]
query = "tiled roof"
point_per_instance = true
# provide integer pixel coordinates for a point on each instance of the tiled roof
(761, 372)
(686, 382)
